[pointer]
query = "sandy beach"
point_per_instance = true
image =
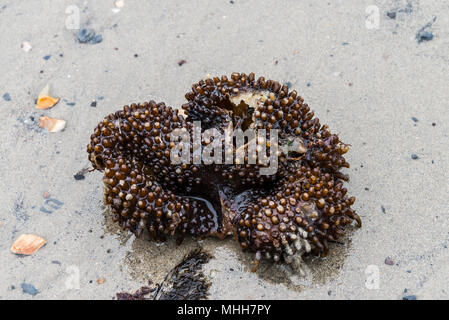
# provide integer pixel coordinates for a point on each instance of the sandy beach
(377, 72)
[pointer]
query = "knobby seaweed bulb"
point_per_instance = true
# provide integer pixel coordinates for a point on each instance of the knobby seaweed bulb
(297, 209)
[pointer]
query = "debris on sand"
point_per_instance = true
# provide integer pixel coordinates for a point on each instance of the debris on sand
(26, 46)
(425, 34)
(391, 14)
(45, 100)
(89, 36)
(28, 288)
(27, 244)
(80, 174)
(184, 282)
(7, 97)
(51, 124)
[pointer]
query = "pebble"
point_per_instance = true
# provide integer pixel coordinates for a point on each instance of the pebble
(84, 35)
(391, 14)
(79, 176)
(181, 62)
(47, 57)
(409, 298)
(97, 39)
(29, 289)
(93, 104)
(89, 36)
(71, 104)
(415, 119)
(7, 97)
(389, 261)
(414, 156)
(424, 36)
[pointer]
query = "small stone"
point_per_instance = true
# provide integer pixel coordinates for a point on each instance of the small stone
(424, 36)
(89, 36)
(391, 14)
(29, 289)
(389, 261)
(383, 209)
(414, 156)
(84, 35)
(71, 104)
(409, 297)
(93, 104)
(46, 195)
(181, 62)
(47, 57)
(96, 39)
(415, 119)
(79, 176)
(433, 124)
(7, 97)
(101, 280)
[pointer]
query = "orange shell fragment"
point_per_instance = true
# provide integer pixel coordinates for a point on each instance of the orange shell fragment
(27, 244)
(45, 100)
(52, 125)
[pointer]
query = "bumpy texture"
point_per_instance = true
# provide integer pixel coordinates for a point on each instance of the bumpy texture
(281, 216)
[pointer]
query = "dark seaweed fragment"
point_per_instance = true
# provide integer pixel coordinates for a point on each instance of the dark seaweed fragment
(185, 281)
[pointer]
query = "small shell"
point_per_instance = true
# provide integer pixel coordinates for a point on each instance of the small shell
(119, 3)
(27, 244)
(45, 100)
(52, 125)
(26, 46)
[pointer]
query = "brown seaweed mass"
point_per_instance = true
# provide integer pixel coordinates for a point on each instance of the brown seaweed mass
(296, 210)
